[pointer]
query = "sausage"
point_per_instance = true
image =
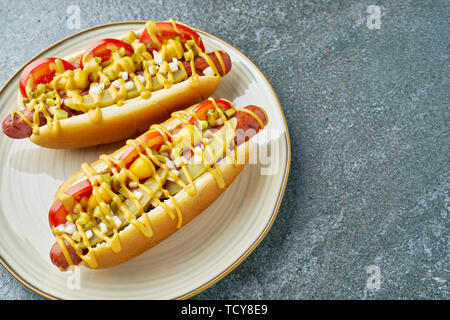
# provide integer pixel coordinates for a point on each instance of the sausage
(247, 126)
(57, 256)
(201, 64)
(18, 128)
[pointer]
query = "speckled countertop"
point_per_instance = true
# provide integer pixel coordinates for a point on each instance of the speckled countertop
(368, 114)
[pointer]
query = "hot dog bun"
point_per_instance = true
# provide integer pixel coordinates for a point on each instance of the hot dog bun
(129, 120)
(118, 123)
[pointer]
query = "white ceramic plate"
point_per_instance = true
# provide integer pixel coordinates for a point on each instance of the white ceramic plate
(186, 263)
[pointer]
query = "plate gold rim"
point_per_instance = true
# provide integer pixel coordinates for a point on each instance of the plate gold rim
(255, 243)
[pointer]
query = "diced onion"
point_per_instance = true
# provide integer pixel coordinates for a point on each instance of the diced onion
(129, 85)
(150, 70)
(177, 162)
(184, 160)
(138, 194)
(197, 149)
(170, 163)
(173, 66)
(95, 89)
(157, 57)
(70, 227)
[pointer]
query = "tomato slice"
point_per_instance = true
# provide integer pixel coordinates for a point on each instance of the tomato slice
(152, 139)
(57, 214)
(167, 32)
(41, 71)
(155, 140)
(102, 49)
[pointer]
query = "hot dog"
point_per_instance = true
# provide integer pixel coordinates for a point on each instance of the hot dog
(115, 88)
(202, 67)
(127, 202)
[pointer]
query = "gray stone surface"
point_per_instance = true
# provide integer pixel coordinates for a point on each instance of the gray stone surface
(368, 116)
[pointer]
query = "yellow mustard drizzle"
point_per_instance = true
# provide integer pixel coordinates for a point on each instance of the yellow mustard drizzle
(166, 134)
(152, 30)
(95, 115)
(174, 25)
(20, 114)
(73, 82)
(60, 241)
